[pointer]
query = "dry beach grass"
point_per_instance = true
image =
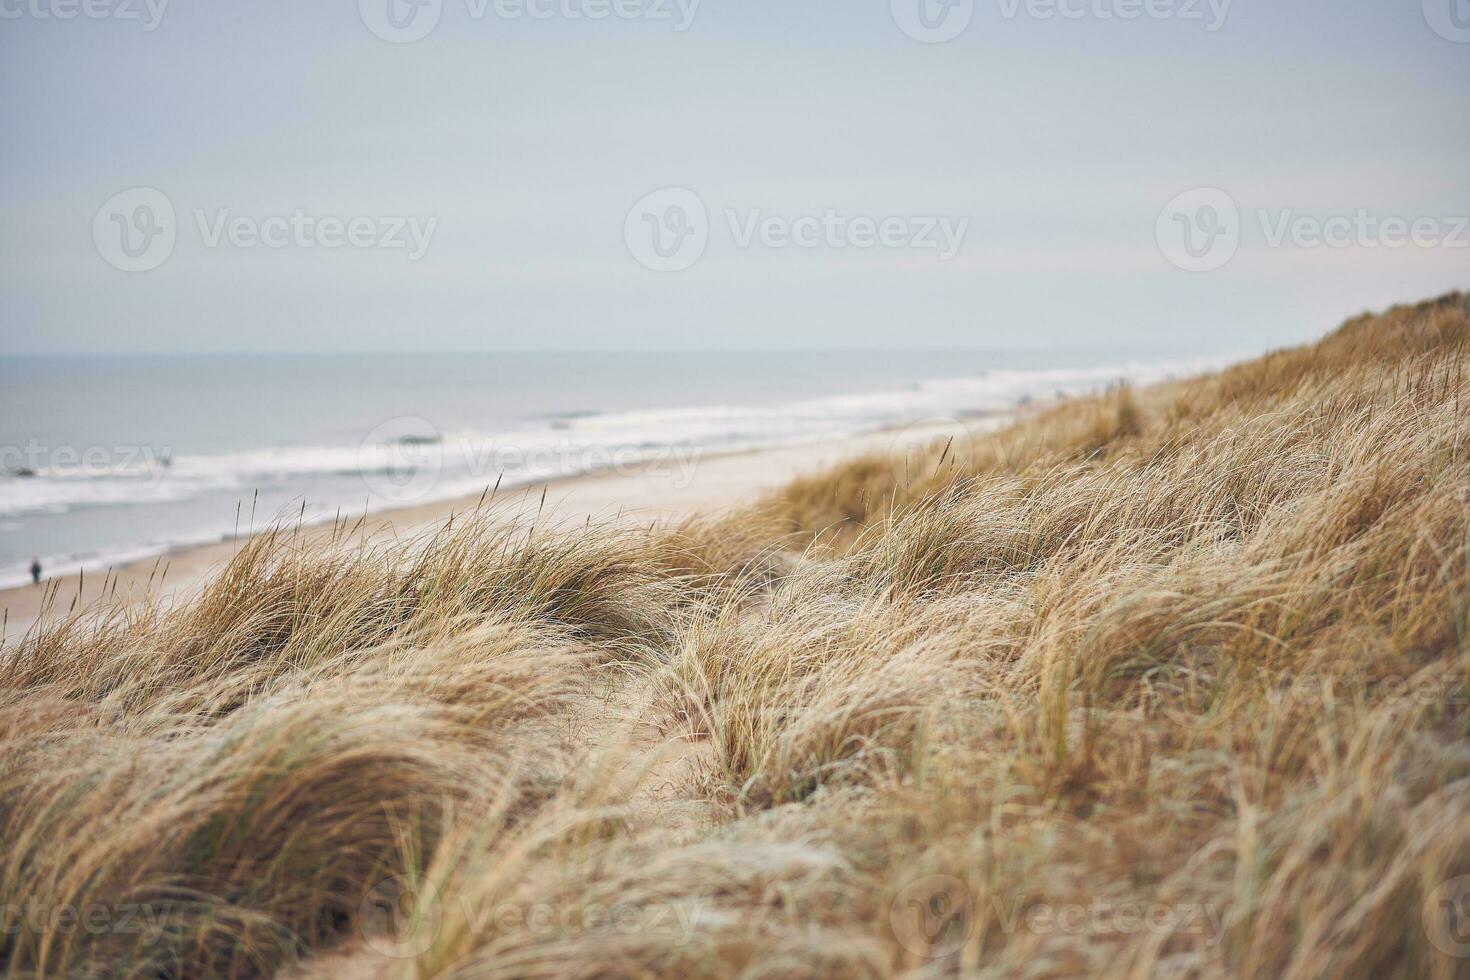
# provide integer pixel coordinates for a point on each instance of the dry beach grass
(1168, 682)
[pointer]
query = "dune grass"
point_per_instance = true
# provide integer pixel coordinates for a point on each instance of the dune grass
(1162, 682)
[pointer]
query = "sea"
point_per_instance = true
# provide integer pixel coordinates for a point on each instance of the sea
(107, 460)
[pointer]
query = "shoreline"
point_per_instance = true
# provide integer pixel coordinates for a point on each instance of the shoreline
(641, 493)
(218, 488)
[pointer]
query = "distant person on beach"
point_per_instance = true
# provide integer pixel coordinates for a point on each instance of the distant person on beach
(35, 571)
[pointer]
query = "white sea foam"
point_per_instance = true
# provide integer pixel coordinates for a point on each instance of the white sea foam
(339, 477)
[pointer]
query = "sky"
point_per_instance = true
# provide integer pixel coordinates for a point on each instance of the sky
(444, 175)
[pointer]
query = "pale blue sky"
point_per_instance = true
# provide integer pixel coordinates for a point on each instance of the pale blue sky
(1060, 140)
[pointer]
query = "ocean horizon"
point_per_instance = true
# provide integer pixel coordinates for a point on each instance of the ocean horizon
(106, 460)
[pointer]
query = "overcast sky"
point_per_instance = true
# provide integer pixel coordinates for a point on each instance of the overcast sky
(1009, 186)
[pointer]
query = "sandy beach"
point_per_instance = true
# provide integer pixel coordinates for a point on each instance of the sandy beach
(635, 495)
